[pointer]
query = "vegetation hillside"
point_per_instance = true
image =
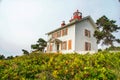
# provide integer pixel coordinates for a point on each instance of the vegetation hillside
(40, 66)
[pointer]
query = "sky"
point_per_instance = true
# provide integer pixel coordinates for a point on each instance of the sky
(23, 22)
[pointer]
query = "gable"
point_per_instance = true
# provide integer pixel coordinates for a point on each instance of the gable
(93, 23)
(88, 20)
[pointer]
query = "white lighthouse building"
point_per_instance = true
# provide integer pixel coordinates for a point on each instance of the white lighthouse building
(76, 36)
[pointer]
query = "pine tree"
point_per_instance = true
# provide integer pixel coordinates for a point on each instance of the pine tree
(2, 57)
(40, 46)
(104, 34)
(25, 52)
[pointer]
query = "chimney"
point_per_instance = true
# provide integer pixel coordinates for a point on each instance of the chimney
(63, 24)
(76, 15)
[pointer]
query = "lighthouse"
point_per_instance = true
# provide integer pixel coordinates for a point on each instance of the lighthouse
(76, 15)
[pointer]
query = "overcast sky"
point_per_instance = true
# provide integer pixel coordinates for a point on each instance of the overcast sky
(22, 22)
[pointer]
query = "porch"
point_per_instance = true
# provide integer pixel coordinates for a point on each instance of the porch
(54, 45)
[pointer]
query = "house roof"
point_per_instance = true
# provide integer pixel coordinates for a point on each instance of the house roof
(73, 22)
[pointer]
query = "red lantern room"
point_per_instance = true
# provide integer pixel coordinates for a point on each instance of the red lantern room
(76, 15)
(63, 24)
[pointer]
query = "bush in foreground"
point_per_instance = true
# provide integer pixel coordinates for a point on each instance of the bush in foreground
(99, 66)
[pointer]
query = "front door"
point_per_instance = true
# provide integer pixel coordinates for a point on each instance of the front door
(57, 47)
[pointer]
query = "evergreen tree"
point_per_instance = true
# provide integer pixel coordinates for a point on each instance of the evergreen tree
(10, 57)
(40, 46)
(25, 51)
(2, 57)
(106, 27)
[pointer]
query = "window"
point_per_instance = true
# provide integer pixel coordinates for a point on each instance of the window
(64, 32)
(58, 33)
(47, 47)
(64, 45)
(54, 35)
(87, 46)
(69, 44)
(87, 33)
(50, 47)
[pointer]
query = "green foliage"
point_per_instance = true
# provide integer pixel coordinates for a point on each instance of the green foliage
(99, 50)
(99, 66)
(10, 57)
(106, 27)
(113, 49)
(34, 46)
(41, 44)
(25, 51)
(2, 57)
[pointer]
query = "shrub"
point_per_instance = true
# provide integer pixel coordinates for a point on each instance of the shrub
(101, 66)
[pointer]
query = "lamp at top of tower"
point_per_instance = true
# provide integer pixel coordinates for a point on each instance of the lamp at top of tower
(76, 15)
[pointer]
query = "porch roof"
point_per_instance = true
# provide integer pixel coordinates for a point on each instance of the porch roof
(54, 40)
